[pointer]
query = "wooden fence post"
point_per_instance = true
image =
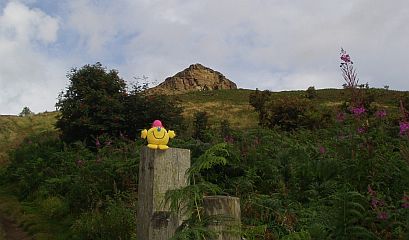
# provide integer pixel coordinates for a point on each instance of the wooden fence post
(228, 208)
(159, 171)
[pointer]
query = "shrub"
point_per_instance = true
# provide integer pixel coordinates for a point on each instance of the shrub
(26, 112)
(258, 100)
(96, 103)
(311, 93)
(117, 221)
(290, 113)
(92, 104)
(54, 207)
(201, 126)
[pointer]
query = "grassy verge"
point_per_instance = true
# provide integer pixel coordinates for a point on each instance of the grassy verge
(31, 219)
(14, 129)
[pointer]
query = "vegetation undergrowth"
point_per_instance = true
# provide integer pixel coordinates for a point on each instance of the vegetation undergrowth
(310, 170)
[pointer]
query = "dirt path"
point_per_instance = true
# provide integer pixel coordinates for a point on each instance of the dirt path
(13, 232)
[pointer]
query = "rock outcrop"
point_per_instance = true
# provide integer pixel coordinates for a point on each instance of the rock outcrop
(194, 78)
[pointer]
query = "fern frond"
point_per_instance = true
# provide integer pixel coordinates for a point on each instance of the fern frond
(216, 155)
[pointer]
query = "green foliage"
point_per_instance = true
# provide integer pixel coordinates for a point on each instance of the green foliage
(117, 221)
(291, 113)
(26, 112)
(311, 93)
(311, 183)
(92, 104)
(258, 101)
(349, 216)
(96, 103)
(54, 207)
(201, 126)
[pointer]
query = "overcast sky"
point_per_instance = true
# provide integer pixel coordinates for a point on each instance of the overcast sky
(266, 44)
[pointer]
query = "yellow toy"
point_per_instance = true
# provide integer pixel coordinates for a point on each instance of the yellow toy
(157, 136)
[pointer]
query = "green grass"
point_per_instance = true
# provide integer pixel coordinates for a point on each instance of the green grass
(231, 105)
(31, 219)
(14, 129)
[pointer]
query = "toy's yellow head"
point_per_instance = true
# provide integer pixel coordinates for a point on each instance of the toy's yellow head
(157, 136)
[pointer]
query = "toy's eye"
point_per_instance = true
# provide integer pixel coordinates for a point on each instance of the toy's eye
(159, 129)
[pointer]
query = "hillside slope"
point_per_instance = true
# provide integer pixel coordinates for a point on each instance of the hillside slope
(232, 105)
(14, 129)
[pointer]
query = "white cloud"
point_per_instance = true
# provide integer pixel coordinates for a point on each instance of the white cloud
(20, 24)
(275, 44)
(28, 77)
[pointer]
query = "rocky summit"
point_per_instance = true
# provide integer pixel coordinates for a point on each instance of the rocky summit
(194, 78)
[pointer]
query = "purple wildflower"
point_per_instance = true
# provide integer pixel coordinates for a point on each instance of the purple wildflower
(341, 117)
(404, 127)
(370, 191)
(382, 215)
(97, 143)
(346, 58)
(229, 139)
(375, 203)
(79, 162)
(322, 150)
(361, 130)
(380, 114)
(358, 111)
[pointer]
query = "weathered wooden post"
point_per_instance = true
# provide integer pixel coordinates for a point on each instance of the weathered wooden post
(159, 171)
(228, 208)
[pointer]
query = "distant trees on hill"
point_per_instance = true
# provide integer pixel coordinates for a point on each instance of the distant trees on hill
(96, 102)
(26, 112)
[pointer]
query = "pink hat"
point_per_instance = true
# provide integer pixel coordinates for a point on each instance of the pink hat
(157, 123)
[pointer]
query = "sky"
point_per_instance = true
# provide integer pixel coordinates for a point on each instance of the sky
(265, 44)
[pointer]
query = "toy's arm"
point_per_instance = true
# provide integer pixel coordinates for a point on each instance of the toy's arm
(172, 134)
(144, 133)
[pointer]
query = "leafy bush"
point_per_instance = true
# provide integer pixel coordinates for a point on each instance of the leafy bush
(26, 112)
(54, 207)
(201, 126)
(96, 103)
(290, 113)
(258, 100)
(117, 221)
(311, 93)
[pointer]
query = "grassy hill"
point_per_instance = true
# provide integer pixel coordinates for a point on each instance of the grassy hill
(294, 183)
(232, 105)
(14, 129)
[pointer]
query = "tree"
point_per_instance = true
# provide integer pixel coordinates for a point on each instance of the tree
(201, 125)
(311, 93)
(96, 103)
(92, 104)
(26, 112)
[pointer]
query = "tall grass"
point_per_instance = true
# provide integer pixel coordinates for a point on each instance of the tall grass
(14, 129)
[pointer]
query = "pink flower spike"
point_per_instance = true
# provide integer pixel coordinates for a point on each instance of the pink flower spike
(404, 127)
(341, 117)
(358, 111)
(380, 113)
(370, 191)
(382, 215)
(361, 130)
(346, 58)
(322, 150)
